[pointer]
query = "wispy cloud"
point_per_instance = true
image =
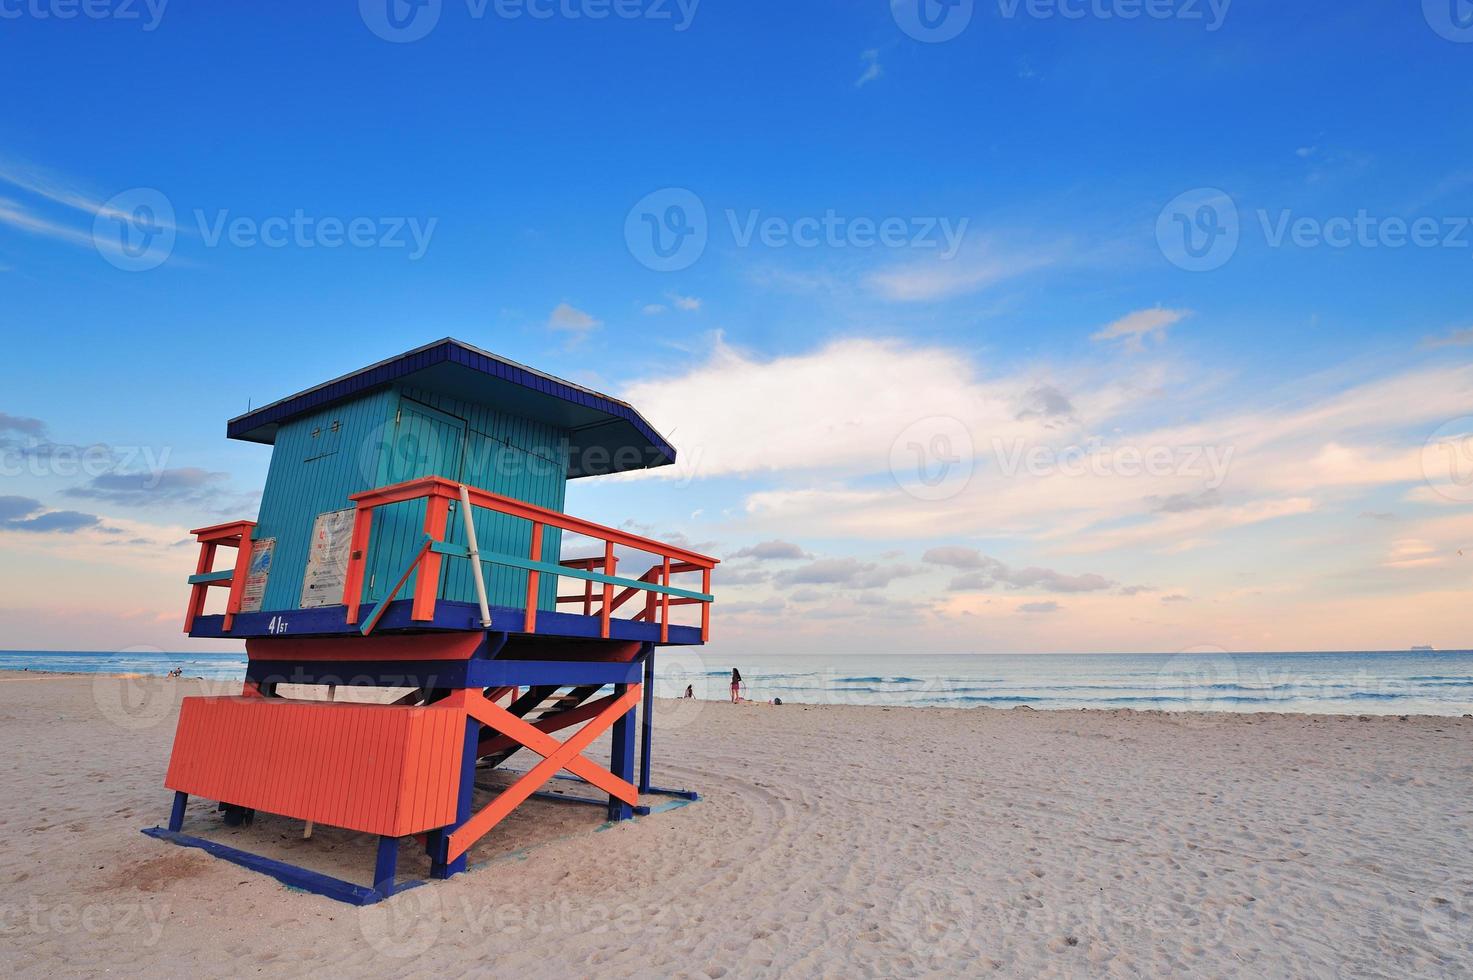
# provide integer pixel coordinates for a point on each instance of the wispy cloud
(54, 189)
(185, 485)
(31, 516)
(1461, 337)
(1179, 503)
(771, 551)
(971, 270)
(1134, 329)
(846, 573)
(686, 304)
(985, 572)
(566, 318)
(872, 69)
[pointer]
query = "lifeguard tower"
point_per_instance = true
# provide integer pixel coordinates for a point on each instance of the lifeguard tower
(410, 536)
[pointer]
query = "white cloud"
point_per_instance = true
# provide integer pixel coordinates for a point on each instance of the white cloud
(1142, 325)
(654, 309)
(829, 419)
(872, 69)
(837, 407)
(570, 319)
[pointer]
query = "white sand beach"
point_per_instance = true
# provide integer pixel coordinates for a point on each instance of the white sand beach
(834, 841)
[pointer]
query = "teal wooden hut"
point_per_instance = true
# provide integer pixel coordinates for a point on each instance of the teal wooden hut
(411, 535)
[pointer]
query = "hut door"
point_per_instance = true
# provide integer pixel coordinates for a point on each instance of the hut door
(426, 442)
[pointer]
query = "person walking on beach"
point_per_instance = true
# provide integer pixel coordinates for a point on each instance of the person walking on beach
(736, 685)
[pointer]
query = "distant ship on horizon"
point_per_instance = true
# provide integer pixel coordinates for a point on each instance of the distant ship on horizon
(1424, 649)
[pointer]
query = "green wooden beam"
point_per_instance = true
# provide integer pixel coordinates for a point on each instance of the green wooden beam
(549, 568)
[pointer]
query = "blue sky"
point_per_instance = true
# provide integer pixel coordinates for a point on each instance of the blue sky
(518, 146)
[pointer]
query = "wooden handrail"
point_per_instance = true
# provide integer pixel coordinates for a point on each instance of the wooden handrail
(439, 492)
(434, 486)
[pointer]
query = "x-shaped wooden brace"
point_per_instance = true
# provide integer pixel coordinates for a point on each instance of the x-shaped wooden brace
(556, 756)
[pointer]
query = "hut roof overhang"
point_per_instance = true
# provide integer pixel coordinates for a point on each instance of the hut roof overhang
(602, 430)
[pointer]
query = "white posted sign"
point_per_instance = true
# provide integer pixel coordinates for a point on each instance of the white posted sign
(327, 561)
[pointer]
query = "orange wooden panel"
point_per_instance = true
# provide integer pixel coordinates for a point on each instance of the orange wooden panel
(379, 769)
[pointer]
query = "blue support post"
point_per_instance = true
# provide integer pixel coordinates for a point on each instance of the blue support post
(647, 719)
(176, 815)
(438, 843)
(621, 761)
(386, 865)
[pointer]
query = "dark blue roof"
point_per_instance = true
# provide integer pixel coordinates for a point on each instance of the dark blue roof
(592, 420)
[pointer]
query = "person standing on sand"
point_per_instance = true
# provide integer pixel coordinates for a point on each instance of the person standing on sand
(736, 685)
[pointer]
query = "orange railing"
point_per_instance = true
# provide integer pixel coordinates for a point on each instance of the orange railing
(237, 535)
(438, 493)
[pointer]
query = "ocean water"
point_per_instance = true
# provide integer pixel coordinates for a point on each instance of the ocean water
(211, 666)
(1394, 683)
(1436, 683)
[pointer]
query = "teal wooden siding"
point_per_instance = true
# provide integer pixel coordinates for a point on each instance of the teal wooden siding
(518, 458)
(396, 435)
(314, 468)
(424, 442)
